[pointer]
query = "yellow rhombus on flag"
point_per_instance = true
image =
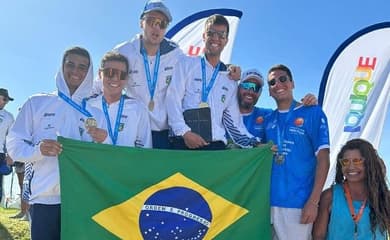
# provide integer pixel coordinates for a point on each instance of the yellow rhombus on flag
(112, 192)
(123, 219)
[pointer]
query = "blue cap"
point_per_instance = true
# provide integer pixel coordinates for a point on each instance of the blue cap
(157, 5)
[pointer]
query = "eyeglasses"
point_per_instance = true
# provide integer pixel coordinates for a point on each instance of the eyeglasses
(153, 21)
(356, 161)
(250, 86)
(219, 34)
(281, 79)
(111, 72)
(72, 66)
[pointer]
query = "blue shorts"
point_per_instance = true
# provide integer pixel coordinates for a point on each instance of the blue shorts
(45, 221)
(160, 139)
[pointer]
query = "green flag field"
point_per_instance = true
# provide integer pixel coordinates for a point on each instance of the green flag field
(112, 192)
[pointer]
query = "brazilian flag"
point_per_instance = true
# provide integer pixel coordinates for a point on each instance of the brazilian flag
(112, 192)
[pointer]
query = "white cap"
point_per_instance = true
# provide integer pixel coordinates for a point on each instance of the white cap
(254, 74)
(157, 5)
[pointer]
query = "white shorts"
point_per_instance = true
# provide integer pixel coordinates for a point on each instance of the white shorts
(286, 224)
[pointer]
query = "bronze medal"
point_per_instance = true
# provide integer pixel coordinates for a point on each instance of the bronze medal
(151, 105)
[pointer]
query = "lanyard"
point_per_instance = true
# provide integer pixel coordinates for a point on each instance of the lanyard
(206, 90)
(113, 135)
(355, 217)
(151, 82)
(73, 104)
(281, 126)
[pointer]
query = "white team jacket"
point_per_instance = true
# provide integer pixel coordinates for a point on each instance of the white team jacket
(134, 127)
(6, 120)
(185, 92)
(137, 84)
(46, 116)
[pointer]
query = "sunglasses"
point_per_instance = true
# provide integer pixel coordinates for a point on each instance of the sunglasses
(281, 79)
(111, 72)
(72, 66)
(153, 21)
(250, 86)
(219, 34)
(355, 161)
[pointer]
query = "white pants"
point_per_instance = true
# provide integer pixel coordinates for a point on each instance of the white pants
(286, 224)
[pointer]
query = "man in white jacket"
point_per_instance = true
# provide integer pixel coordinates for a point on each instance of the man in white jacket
(125, 118)
(203, 82)
(152, 58)
(6, 120)
(33, 137)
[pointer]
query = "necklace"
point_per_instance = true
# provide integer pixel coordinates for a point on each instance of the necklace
(355, 217)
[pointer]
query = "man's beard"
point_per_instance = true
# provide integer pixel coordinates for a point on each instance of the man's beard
(245, 105)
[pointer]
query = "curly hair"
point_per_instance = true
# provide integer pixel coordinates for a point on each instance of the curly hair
(376, 183)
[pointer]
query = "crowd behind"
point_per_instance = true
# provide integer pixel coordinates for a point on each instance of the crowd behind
(143, 96)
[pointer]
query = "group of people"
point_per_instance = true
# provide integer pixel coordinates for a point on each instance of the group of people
(143, 90)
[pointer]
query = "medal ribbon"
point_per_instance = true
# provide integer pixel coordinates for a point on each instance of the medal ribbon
(282, 130)
(151, 82)
(74, 104)
(355, 217)
(113, 135)
(206, 90)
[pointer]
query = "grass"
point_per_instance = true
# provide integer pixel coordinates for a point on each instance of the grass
(12, 229)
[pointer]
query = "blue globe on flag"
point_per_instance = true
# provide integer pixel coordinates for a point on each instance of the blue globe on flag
(175, 213)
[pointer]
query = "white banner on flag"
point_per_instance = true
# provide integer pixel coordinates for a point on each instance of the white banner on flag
(188, 32)
(355, 89)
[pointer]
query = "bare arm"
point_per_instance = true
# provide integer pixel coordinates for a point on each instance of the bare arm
(320, 227)
(310, 210)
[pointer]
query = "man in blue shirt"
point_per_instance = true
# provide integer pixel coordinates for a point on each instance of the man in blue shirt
(301, 161)
(249, 91)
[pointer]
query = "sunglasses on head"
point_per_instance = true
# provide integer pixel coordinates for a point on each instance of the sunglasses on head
(219, 34)
(72, 66)
(250, 86)
(153, 21)
(355, 161)
(281, 79)
(111, 72)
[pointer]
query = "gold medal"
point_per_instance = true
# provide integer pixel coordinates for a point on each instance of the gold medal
(90, 122)
(203, 105)
(151, 105)
(279, 158)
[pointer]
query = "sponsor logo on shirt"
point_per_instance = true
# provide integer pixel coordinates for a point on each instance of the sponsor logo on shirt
(121, 126)
(81, 131)
(49, 114)
(299, 122)
(168, 79)
(223, 98)
(259, 120)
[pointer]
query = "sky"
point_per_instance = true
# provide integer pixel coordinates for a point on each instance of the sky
(300, 34)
